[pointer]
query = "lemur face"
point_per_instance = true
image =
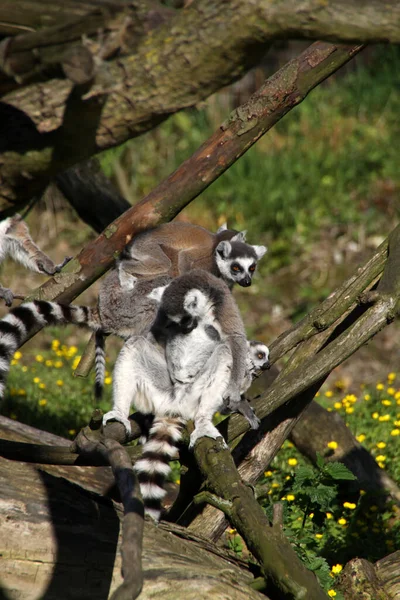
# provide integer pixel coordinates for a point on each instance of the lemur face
(258, 357)
(237, 261)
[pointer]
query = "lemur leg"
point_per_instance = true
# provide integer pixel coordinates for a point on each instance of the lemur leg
(7, 295)
(243, 407)
(140, 377)
(147, 259)
(210, 388)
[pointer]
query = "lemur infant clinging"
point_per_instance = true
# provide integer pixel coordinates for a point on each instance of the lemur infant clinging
(168, 250)
(16, 242)
(180, 370)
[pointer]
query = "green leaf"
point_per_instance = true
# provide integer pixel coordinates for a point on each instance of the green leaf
(320, 461)
(337, 470)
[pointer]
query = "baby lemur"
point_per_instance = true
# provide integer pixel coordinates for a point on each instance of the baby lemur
(16, 242)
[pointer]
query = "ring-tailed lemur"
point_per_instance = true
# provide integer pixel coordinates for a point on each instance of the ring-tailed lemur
(169, 250)
(181, 370)
(16, 242)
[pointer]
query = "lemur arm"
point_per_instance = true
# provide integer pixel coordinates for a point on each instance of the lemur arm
(21, 247)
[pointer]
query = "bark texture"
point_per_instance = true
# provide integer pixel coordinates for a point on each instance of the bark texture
(60, 541)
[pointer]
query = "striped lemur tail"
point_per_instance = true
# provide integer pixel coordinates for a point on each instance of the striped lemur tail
(99, 365)
(20, 321)
(153, 467)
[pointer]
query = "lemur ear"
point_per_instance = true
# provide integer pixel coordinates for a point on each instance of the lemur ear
(195, 302)
(223, 227)
(260, 251)
(126, 280)
(157, 293)
(224, 249)
(239, 237)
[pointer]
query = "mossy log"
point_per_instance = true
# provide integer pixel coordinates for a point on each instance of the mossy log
(60, 538)
(361, 580)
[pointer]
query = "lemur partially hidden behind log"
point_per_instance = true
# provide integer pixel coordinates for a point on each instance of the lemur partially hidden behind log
(195, 358)
(16, 242)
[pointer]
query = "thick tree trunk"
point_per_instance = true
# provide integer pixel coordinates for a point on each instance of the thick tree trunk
(361, 580)
(59, 540)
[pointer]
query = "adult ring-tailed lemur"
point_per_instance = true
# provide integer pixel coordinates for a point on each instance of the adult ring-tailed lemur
(184, 368)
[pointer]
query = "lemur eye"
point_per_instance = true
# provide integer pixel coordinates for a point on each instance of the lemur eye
(235, 267)
(252, 268)
(261, 355)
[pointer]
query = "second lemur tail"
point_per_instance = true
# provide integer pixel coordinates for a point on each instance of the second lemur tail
(22, 320)
(99, 365)
(153, 467)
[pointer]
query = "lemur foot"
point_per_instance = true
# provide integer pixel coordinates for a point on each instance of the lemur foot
(205, 430)
(7, 295)
(53, 269)
(114, 415)
(243, 407)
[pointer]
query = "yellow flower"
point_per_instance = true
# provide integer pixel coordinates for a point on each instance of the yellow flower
(350, 505)
(42, 386)
(319, 536)
(331, 593)
(381, 445)
(108, 380)
(384, 418)
(55, 344)
(21, 392)
(292, 462)
(386, 403)
(367, 397)
(76, 362)
(59, 382)
(342, 521)
(351, 398)
(290, 497)
(283, 498)
(267, 473)
(58, 364)
(397, 395)
(231, 531)
(337, 405)
(336, 569)
(311, 515)
(380, 386)
(42, 402)
(275, 484)
(360, 438)
(391, 391)
(380, 458)
(381, 465)
(39, 358)
(397, 423)
(332, 445)
(49, 363)
(391, 376)
(375, 415)
(17, 355)
(329, 515)
(288, 477)
(178, 481)
(14, 362)
(24, 369)
(36, 379)
(72, 431)
(395, 432)
(339, 384)
(350, 410)
(329, 393)
(373, 508)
